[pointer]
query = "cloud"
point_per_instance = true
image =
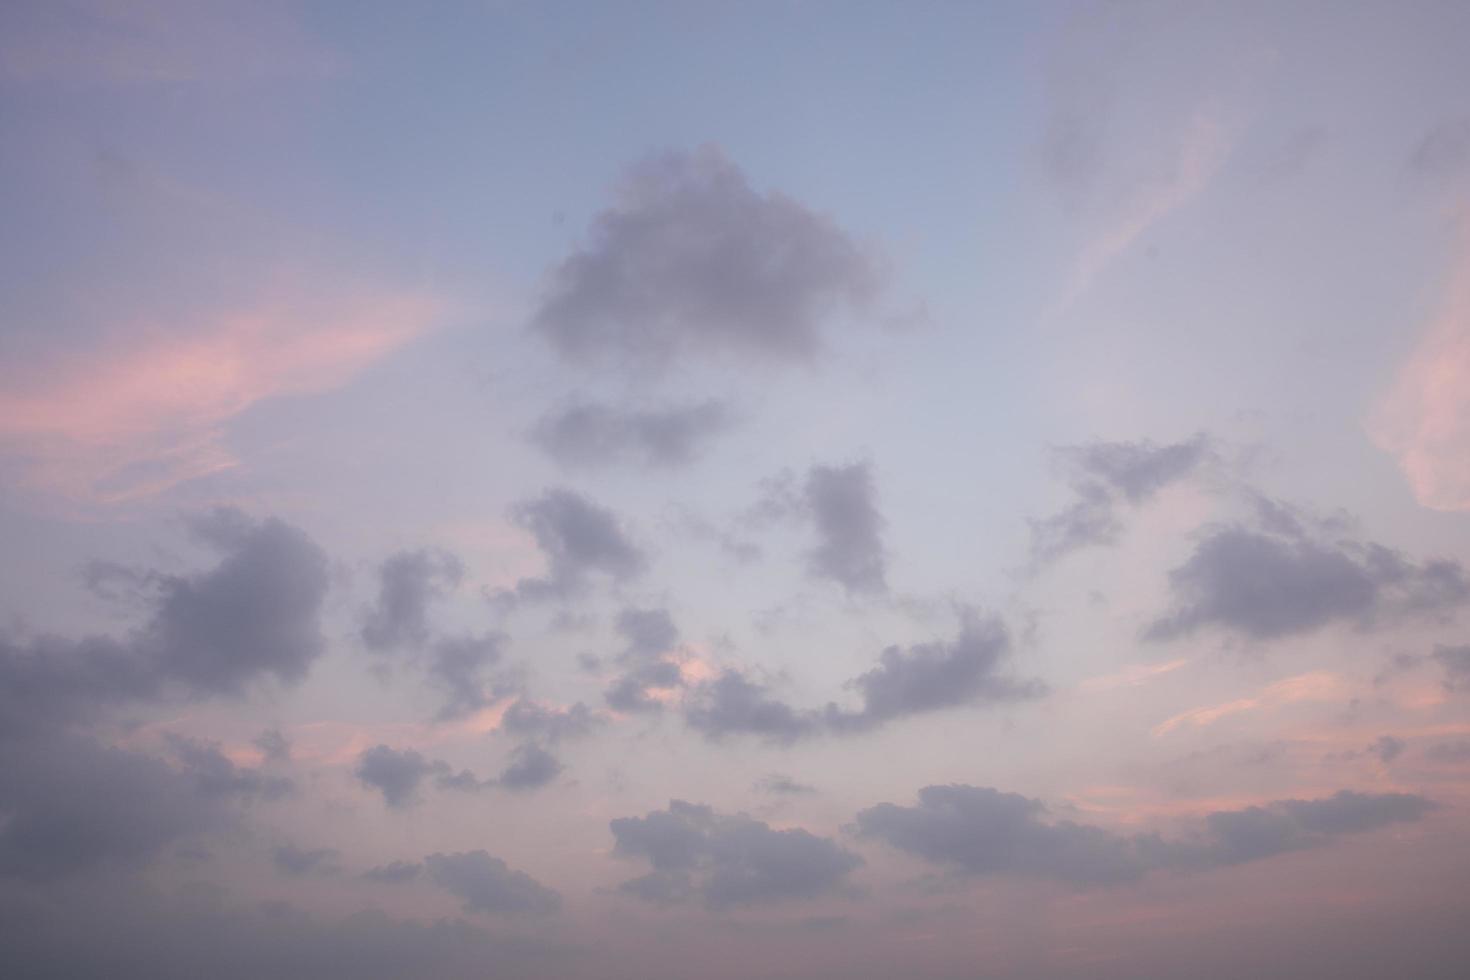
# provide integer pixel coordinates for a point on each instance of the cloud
(1387, 748)
(589, 434)
(1449, 753)
(396, 774)
(407, 583)
(527, 718)
(782, 785)
(732, 705)
(692, 261)
(651, 637)
(1444, 152)
(458, 667)
(485, 884)
(1423, 417)
(296, 862)
(982, 831)
(1264, 585)
(531, 767)
(136, 414)
(842, 502)
(1105, 475)
(254, 615)
(217, 776)
(578, 538)
(273, 745)
(1456, 663)
(937, 675)
(1320, 686)
(727, 861)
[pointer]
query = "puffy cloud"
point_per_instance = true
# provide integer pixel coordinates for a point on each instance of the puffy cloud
(1265, 584)
(396, 774)
(693, 261)
(1103, 476)
(937, 675)
(590, 434)
(842, 502)
(407, 583)
(982, 831)
(527, 718)
(485, 884)
(255, 614)
(732, 705)
(217, 776)
(458, 667)
(578, 538)
(632, 690)
(650, 636)
(531, 767)
(727, 860)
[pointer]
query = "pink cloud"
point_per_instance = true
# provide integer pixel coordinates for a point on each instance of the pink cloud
(147, 410)
(1423, 418)
(1316, 686)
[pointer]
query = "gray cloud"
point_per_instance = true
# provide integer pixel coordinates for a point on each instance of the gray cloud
(733, 705)
(396, 774)
(529, 719)
(630, 691)
(589, 434)
(407, 583)
(531, 767)
(1105, 475)
(578, 538)
(650, 635)
(982, 831)
(727, 860)
(485, 884)
(1271, 583)
(217, 776)
(1451, 753)
(1444, 152)
(458, 666)
(275, 745)
(255, 614)
(922, 678)
(781, 785)
(692, 260)
(292, 860)
(1387, 748)
(842, 502)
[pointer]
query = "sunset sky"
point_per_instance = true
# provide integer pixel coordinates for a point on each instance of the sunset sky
(813, 490)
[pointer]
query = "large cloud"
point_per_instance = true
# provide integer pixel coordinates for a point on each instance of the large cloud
(692, 260)
(591, 434)
(727, 860)
(981, 831)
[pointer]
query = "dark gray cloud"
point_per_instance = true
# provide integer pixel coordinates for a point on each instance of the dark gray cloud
(691, 260)
(217, 776)
(842, 502)
(937, 675)
(459, 666)
(732, 705)
(394, 872)
(485, 884)
(1105, 475)
(1264, 584)
(531, 767)
(255, 614)
(1456, 663)
(528, 719)
(727, 860)
(408, 582)
(589, 434)
(297, 862)
(578, 538)
(71, 804)
(983, 831)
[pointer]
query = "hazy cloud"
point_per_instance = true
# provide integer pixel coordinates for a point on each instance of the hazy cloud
(578, 538)
(394, 872)
(458, 666)
(733, 705)
(292, 860)
(842, 502)
(485, 884)
(531, 767)
(692, 260)
(407, 583)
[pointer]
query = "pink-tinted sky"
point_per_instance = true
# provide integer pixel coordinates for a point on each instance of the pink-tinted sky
(811, 490)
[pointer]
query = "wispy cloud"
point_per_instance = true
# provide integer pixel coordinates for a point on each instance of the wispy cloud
(1316, 686)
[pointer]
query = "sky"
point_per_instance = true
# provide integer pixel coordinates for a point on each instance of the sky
(767, 490)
